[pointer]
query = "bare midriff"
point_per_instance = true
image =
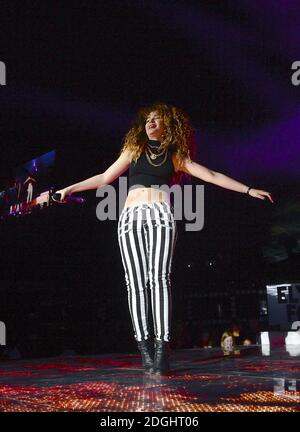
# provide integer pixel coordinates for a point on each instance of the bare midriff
(145, 196)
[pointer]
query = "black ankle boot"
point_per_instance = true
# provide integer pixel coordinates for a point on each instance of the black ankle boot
(146, 348)
(161, 358)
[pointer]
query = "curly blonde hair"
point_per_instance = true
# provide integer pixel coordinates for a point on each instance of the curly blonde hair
(178, 135)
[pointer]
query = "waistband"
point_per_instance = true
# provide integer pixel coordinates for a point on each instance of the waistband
(154, 204)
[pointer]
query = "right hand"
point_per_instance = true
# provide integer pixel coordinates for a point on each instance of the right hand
(63, 192)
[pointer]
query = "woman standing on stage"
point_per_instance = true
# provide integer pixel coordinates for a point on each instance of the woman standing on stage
(157, 150)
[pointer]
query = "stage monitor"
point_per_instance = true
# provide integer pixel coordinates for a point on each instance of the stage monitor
(284, 306)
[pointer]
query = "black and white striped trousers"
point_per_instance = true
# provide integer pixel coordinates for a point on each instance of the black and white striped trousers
(147, 235)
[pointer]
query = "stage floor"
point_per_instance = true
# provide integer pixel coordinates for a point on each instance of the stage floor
(202, 380)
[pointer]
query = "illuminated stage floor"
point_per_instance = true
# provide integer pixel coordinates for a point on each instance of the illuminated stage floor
(201, 380)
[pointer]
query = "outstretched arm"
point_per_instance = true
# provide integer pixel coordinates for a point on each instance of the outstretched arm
(113, 172)
(219, 179)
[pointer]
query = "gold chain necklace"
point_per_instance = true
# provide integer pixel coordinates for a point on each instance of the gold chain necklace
(154, 156)
(153, 146)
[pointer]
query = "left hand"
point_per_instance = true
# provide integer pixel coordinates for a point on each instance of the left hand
(256, 193)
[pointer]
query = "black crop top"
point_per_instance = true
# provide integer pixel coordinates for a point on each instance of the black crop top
(146, 175)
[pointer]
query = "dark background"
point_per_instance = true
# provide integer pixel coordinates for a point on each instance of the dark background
(75, 77)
